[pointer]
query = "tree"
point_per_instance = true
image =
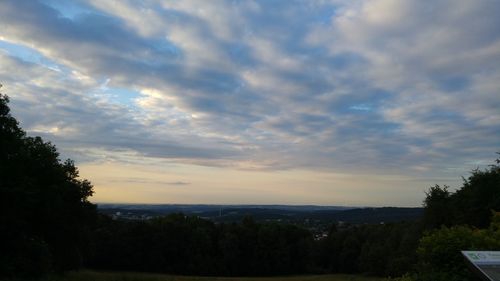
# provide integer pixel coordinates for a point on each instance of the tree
(470, 205)
(44, 209)
(438, 209)
(479, 196)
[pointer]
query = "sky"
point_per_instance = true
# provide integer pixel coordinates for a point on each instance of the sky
(352, 103)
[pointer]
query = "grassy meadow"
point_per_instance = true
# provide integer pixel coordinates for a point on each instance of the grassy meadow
(126, 276)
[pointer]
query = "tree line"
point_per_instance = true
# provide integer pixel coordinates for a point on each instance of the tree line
(182, 244)
(47, 225)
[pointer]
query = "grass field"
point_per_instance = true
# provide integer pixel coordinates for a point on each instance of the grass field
(125, 276)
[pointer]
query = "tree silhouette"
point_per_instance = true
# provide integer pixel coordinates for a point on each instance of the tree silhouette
(45, 214)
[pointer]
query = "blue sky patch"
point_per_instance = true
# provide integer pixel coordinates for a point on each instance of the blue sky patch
(361, 107)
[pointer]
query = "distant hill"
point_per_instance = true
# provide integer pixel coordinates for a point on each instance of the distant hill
(370, 215)
(279, 213)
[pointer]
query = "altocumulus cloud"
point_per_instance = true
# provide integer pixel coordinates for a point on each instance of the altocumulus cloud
(331, 85)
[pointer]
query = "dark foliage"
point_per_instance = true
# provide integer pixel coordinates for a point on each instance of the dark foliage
(439, 251)
(385, 250)
(369, 215)
(44, 215)
(471, 205)
(190, 245)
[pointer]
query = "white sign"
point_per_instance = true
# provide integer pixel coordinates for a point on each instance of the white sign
(487, 263)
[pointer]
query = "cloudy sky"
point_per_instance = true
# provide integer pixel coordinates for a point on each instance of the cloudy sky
(297, 102)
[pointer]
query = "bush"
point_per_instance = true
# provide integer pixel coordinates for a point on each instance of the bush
(439, 250)
(25, 257)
